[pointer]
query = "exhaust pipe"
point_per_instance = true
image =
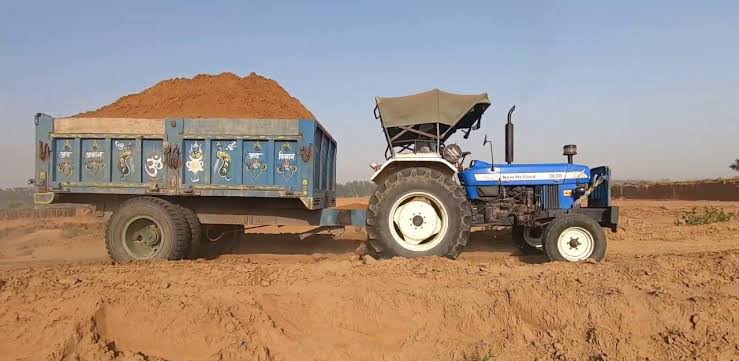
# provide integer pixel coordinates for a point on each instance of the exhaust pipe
(509, 138)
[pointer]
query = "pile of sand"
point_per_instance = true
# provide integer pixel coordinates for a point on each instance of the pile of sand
(208, 96)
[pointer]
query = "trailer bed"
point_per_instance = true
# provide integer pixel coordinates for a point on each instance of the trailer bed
(193, 157)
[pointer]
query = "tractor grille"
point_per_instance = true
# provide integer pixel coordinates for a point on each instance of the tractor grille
(549, 196)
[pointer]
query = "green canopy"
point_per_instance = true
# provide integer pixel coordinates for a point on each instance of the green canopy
(434, 106)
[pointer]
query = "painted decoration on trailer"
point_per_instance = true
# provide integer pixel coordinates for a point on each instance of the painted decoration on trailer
(196, 164)
(66, 167)
(286, 162)
(125, 160)
(95, 159)
(222, 166)
(154, 163)
(255, 161)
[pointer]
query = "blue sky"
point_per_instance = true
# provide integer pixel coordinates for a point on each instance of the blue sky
(648, 87)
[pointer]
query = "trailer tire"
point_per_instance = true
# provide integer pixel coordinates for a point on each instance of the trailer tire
(147, 228)
(439, 209)
(574, 238)
(518, 233)
(196, 233)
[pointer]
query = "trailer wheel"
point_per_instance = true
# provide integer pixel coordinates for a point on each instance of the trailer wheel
(147, 228)
(196, 233)
(574, 238)
(418, 212)
(528, 239)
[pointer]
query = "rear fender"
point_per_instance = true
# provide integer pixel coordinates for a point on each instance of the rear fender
(396, 164)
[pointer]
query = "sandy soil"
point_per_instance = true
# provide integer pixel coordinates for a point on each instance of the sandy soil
(666, 292)
(225, 95)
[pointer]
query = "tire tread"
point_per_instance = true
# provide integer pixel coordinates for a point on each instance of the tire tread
(180, 238)
(461, 206)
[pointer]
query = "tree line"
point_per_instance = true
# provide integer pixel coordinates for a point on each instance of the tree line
(14, 198)
(355, 189)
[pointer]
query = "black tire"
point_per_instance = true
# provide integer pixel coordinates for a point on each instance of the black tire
(196, 233)
(519, 240)
(174, 232)
(569, 222)
(450, 195)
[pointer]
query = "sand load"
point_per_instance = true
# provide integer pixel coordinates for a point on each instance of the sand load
(208, 96)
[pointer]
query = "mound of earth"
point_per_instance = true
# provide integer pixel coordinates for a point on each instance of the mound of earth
(208, 96)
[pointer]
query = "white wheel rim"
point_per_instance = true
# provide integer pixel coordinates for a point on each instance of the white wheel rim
(575, 244)
(418, 221)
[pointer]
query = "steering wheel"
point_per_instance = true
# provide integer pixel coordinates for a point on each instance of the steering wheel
(464, 154)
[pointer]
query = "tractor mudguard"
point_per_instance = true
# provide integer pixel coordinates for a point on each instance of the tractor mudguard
(401, 161)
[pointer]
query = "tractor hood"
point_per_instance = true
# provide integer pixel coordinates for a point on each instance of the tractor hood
(480, 173)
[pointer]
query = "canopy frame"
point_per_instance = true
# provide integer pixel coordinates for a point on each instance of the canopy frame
(430, 136)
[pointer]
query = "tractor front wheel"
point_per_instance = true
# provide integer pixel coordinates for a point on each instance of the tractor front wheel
(528, 239)
(574, 238)
(418, 212)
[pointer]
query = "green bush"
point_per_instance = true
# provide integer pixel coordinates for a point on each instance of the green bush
(707, 216)
(14, 198)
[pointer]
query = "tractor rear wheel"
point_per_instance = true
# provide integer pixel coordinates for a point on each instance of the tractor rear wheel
(574, 238)
(418, 212)
(147, 228)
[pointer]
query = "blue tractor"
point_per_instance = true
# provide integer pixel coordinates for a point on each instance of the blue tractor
(427, 201)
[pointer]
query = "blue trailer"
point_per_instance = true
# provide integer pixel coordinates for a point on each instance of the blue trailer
(169, 184)
(204, 157)
(208, 173)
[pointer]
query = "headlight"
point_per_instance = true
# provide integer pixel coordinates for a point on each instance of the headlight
(452, 153)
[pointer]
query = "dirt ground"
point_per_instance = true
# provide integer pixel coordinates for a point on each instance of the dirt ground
(666, 292)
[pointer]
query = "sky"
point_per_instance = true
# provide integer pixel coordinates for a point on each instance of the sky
(650, 88)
